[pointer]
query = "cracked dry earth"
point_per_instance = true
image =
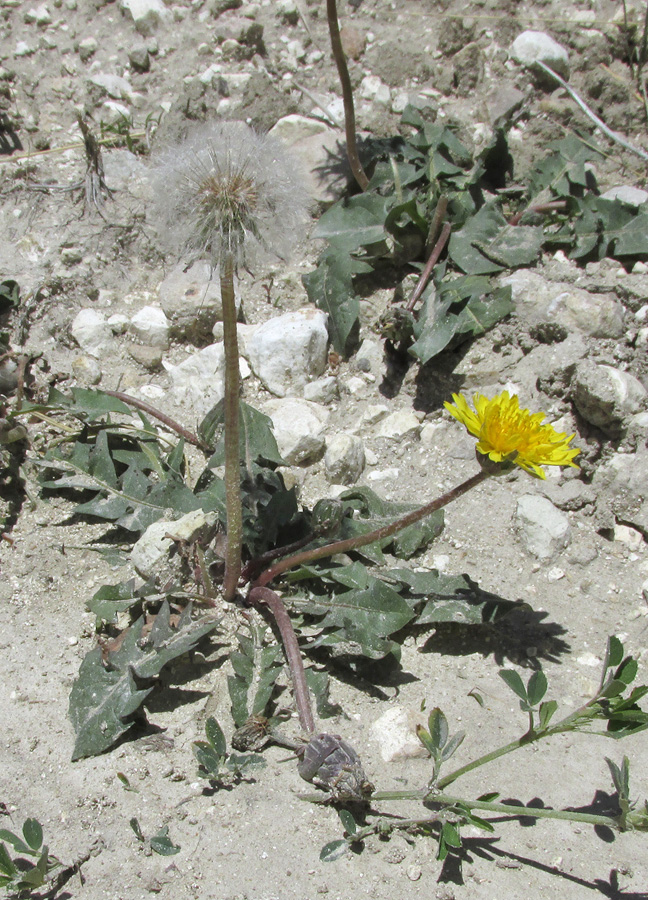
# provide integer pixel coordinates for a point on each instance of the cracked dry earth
(188, 61)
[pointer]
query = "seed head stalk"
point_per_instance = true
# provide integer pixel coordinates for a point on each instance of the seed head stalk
(232, 465)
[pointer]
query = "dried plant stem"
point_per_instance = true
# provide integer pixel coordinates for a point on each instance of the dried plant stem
(161, 417)
(379, 534)
(612, 135)
(232, 464)
(347, 96)
(538, 208)
(300, 688)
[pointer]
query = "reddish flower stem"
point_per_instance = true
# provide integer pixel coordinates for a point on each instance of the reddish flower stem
(540, 208)
(266, 596)
(429, 266)
(379, 534)
(161, 417)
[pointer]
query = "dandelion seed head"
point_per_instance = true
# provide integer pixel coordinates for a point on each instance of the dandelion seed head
(228, 188)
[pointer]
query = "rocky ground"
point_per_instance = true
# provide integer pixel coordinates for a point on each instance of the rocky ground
(103, 306)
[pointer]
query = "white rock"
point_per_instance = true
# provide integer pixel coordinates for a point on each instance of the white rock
(293, 128)
(345, 459)
(118, 323)
(86, 370)
(114, 85)
(91, 331)
(531, 46)
(289, 351)
(298, 426)
(322, 390)
(198, 382)
(543, 529)
(39, 16)
(153, 546)
(395, 732)
(400, 424)
(604, 396)
(151, 327)
(372, 88)
(633, 196)
(113, 113)
(146, 14)
(87, 48)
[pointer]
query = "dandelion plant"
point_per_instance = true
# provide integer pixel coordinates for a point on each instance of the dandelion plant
(225, 194)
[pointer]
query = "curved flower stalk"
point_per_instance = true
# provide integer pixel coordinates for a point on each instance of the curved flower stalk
(225, 194)
(507, 436)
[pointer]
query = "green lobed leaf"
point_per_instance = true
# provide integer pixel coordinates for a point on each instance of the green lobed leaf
(453, 745)
(16, 842)
(330, 288)
(7, 866)
(211, 762)
(240, 763)
(353, 223)
(319, 685)
(256, 669)
(104, 696)
(487, 243)
(256, 436)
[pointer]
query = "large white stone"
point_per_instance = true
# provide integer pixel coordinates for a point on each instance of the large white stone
(543, 529)
(289, 351)
(146, 14)
(153, 546)
(91, 331)
(399, 424)
(293, 128)
(298, 426)
(395, 732)
(151, 327)
(198, 382)
(533, 46)
(345, 459)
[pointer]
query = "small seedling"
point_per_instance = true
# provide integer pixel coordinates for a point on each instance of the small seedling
(32, 867)
(221, 768)
(160, 843)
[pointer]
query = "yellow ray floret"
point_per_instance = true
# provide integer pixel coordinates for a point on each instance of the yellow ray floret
(509, 434)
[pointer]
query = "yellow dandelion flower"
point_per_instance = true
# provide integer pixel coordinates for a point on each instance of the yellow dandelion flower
(509, 434)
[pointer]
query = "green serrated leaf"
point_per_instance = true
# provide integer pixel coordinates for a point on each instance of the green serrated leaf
(240, 763)
(319, 685)
(104, 696)
(330, 288)
(487, 243)
(111, 599)
(353, 223)
(256, 436)
(513, 680)
(256, 669)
